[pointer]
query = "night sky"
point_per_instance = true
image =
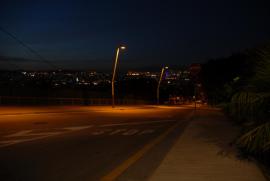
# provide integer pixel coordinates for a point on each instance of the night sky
(84, 34)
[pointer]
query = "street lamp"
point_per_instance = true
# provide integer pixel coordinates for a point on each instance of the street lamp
(160, 79)
(114, 70)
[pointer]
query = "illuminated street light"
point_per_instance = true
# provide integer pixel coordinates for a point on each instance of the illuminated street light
(114, 70)
(160, 79)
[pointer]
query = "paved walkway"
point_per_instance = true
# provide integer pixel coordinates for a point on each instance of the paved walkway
(203, 153)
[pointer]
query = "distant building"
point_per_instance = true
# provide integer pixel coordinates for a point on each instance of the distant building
(195, 69)
(137, 74)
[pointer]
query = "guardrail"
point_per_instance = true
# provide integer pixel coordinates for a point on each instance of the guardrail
(10, 100)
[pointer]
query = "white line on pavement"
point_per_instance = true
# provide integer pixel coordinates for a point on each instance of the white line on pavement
(20, 133)
(21, 136)
(137, 123)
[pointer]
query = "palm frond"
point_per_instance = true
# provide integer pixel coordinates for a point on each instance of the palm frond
(256, 140)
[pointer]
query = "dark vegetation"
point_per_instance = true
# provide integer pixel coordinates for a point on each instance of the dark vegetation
(241, 85)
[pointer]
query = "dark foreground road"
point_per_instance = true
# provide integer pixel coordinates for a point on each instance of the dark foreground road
(86, 143)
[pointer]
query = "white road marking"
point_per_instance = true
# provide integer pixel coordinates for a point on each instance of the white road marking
(117, 131)
(20, 133)
(100, 132)
(136, 123)
(16, 141)
(130, 132)
(148, 131)
(30, 135)
(36, 135)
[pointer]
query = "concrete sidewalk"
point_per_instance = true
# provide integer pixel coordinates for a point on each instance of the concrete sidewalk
(203, 153)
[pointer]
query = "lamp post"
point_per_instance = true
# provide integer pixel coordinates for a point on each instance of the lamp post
(160, 79)
(114, 71)
(197, 85)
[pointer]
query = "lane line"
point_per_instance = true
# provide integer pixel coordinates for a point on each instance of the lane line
(16, 141)
(116, 172)
(137, 123)
(20, 133)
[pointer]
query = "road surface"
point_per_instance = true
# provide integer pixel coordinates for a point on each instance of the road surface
(87, 143)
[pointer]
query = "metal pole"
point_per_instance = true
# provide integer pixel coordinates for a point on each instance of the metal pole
(113, 76)
(160, 79)
(195, 97)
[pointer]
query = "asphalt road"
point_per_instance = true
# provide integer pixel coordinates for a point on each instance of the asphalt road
(87, 143)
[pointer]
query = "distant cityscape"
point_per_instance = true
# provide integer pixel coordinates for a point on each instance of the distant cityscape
(177, 85)
(65, 78)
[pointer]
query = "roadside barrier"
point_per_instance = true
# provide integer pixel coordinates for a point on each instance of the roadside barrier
(10, 100)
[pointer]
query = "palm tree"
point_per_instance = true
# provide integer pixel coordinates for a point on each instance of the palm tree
(252, 107)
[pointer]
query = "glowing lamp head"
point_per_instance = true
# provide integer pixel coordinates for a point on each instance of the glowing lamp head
(166, 67)
(122, 47)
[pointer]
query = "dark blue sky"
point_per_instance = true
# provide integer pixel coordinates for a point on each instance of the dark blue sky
(84, 34)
